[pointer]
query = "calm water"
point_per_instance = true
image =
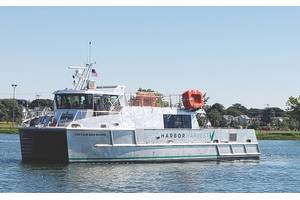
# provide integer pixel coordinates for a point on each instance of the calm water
(277, 171)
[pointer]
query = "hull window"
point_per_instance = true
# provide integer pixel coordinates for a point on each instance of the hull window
(177, 121)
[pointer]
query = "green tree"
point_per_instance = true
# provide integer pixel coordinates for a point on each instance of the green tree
(8, 106)
(239, 108)
(233, 111)
(279, 112)
(207, 108)
(294, 108)
(217, 107)
(254, 125)
(293, 112)
(255, 112)
(215, 114)
(283, 125)
(202, 120)
(294, 124)
(206, 98)
(267, 116)
(41, 103)
(160, 101)
(3, 112)
(215, 118)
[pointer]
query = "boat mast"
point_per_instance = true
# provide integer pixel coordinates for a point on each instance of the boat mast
(88, 70)
(83, 73)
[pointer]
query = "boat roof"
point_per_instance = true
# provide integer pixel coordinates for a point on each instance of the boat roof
(111, 90)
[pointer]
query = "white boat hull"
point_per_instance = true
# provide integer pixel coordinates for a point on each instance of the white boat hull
(149, 146)
(62, 145)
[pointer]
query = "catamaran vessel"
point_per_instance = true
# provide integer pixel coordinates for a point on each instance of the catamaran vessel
(103, 124)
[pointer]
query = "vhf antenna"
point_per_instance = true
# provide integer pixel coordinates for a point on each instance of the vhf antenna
(83, 73)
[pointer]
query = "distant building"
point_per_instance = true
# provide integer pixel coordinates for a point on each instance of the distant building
(242, 120)
(279, 119)
(229, 119)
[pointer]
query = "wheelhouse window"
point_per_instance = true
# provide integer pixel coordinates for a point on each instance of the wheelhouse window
(105, 103)
(177, 121)
(74, 101)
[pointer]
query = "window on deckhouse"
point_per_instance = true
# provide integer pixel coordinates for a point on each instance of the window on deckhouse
(177, 121)
(74, 101)
(105, 103)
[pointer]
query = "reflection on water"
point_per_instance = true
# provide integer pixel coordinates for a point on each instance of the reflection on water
(278, 170)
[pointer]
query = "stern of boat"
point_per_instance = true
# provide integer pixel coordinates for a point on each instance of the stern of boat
(43, 145)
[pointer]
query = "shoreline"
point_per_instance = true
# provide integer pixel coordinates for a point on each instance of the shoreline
(277, 135)
(261, 135)
(8, 128)
(9, 131)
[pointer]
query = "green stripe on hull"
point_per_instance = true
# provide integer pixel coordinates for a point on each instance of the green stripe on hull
(148, 158)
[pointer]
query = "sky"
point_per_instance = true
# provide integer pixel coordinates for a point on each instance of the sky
(247, 55)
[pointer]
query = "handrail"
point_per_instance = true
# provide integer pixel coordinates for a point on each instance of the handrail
(152, 99)
(105, 111)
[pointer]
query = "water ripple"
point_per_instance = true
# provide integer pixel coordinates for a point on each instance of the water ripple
(278, 170)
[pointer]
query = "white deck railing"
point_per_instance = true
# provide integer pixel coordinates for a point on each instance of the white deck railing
(154, 100)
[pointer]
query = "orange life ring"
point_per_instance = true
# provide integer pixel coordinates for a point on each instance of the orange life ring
(192, 99)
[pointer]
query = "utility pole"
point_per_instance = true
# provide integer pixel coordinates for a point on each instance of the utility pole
(38, 100)
(14, 98)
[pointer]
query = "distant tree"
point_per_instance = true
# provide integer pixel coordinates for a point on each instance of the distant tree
(293, 109)
(41, 103)
(223, 122)
(8, 106)
(217, 107)
(254, 125)
(279, 112)
(267, 116)
(293, 112)
(23, 102)
(215, 114)
(3, 112)
(234, 124)
(160, 101)
(284, 125)
(233, 111)
(294, 124)
(255, 112)
(202, 120)
(206, 98)
(242, 109)
(207, 108)
(215, 118)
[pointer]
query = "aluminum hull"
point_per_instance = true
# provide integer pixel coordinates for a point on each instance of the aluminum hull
(61, 145)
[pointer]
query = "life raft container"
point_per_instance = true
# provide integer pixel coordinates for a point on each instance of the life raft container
(192, 99)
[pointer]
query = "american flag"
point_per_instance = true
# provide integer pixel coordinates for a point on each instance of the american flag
(94, 73)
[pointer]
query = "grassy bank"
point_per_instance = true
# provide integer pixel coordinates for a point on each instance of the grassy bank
(278, 135)
(9, 127)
